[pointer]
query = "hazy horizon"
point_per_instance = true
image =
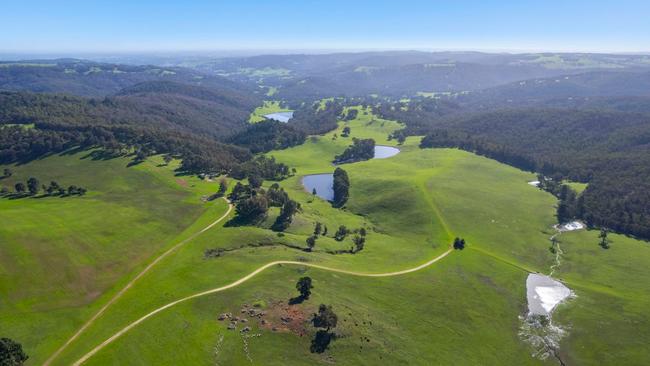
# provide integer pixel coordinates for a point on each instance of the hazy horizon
(75, 27)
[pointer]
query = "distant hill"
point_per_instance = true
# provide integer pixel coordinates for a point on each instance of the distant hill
(189, 108)
(405, 73)
(579, 86)
(93, 79)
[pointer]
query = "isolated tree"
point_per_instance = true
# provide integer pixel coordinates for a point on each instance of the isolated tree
(20, 187)
(223, 187)
(11, 353)
(324, 230)
(33, 185)
(311, 243)
(318, 228)
(313, 191)
(325, 318)
(167, 158)
(359, 242)
(7, 172)
(341, 233)
(459, 243)
(346, 131)
(604, 241)
(362, 232)
(341, 187)
(304, 286)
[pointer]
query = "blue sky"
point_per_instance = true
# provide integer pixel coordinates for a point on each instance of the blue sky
(145, 25)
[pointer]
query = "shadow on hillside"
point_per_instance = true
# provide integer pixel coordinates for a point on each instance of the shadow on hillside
(321, 341)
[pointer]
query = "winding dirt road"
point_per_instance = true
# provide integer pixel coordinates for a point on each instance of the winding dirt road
(118, 295)
(244, 279)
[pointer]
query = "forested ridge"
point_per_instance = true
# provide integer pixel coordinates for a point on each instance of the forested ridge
(609, 150)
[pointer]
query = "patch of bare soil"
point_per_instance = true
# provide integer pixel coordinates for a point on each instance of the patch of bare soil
(278, 316)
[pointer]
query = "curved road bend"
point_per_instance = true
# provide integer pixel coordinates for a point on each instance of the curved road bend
(244, 279)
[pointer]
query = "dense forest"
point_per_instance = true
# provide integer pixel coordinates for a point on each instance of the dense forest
(161, 104)
(268, 135)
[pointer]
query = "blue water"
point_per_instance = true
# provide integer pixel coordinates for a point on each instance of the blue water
(383, 152)
(280, 116)
(322, 182)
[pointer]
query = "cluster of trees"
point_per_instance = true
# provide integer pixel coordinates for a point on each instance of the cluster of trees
(352, 114)
(319, 229)
(11, 353)
(314, 120)
(359, 239)
(341, 187)
(268, 135)
(570, 205)
(262, 167)
(252, 203)
(361, 149)
(33, 187)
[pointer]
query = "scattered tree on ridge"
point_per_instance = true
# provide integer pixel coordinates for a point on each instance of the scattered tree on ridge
(359, 242)
(341, 233)
(604, 241)
(33, 185)
(304, 286)
(20, 187)
(459, 243)
(311, 243)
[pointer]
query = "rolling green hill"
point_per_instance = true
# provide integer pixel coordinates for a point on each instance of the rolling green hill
(61, 256)
(463, 309)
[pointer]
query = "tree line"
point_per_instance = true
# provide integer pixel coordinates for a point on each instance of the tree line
(33, 186)
(609, 150)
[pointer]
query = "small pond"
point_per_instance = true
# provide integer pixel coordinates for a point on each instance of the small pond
(383, 152)
(544, 294)
(323, 183)
(280, 116)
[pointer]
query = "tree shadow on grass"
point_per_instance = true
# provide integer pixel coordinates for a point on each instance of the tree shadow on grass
(321, 341)
(296, 300)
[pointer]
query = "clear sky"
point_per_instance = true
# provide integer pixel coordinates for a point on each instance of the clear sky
(148, 25)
